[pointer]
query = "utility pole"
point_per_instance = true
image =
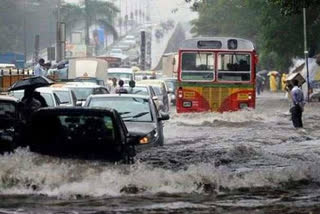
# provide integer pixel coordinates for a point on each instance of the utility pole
(306, 53)
(24, 32)
(58, 33)
(87, 38)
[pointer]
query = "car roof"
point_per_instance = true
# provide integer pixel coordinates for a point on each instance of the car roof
(75, 110)
(138, 85)
(119, 95)
(120, 70)
(8, 98)
(81, 85)
(151, 81)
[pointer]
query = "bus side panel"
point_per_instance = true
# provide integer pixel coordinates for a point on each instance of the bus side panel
(215, 98)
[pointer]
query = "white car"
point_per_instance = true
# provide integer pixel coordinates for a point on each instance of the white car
(125, 74)
(83, 90)
(50, 97)
(66, 96)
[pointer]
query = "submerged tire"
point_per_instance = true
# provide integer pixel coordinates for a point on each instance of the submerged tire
(128, 154)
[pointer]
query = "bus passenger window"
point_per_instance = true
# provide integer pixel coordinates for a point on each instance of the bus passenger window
(234, 67)
(197, 66)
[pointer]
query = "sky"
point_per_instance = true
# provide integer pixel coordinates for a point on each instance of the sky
(160, 9)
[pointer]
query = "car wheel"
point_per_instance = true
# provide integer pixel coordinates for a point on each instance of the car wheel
(128, 155)
(161, 141)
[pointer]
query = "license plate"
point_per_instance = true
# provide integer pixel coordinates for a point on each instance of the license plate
(187, 104)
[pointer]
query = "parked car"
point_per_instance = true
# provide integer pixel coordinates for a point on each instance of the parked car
(84, 89)
(81, 133)
(10, 120)
(161, 90)
(138, 112)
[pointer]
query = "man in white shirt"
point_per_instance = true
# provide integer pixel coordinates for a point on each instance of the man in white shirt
(39, 69)
(298, 104)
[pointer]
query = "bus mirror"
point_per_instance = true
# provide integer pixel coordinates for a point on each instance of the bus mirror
(173, 61)
(256, 59)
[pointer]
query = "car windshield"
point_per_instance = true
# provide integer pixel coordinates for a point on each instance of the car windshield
(130, 108)
(171, 85)
(49, 99)
(157, 90)
(116, 51)
(82, 93)
(137, 90)
(7, 109)
(17, 94)
(120, 75)
(64, 97)
(76, 129)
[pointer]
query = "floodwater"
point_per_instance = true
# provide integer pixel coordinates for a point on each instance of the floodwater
(252, 161)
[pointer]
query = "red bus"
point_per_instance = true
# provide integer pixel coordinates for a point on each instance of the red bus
(216, 74)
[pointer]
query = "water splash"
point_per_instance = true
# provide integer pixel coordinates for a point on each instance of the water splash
(27, 173)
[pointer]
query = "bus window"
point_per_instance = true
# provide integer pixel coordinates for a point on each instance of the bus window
(234, 67)
(197, 66)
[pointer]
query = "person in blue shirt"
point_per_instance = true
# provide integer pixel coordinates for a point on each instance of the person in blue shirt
(298, 105)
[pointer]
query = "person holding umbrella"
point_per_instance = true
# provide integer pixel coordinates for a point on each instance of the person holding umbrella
(30, 102)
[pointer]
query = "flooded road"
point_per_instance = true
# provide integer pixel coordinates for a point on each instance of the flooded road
(249, 161)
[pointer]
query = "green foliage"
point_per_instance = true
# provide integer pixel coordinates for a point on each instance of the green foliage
(278, 38)
(289, 7)
(95, 11)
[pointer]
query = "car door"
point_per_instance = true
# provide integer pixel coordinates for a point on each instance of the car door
(165, 97)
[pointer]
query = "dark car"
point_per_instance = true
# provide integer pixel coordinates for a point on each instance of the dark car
(9, 123)
(82, 133)
(139, 113)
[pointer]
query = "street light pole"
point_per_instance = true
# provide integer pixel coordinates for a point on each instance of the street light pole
(87, 23)
(58, 33)
(306, 53)
(24, 32)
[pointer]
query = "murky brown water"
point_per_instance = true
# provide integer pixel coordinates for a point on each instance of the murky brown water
(250, 161)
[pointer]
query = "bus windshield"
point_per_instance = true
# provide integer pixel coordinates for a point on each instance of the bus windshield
(234, 67)
(197, 66)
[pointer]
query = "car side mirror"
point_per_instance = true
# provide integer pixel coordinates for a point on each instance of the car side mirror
(163, 116)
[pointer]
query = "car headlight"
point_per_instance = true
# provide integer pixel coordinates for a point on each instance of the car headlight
(149, 138)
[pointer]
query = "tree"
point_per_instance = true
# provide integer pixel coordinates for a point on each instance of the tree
(278, 38)
(289, 7)
(95, 11)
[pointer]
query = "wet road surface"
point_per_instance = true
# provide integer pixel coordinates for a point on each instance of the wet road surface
(249, 161)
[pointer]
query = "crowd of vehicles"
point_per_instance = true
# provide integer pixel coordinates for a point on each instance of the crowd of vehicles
(86, 115)
(82, 115)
